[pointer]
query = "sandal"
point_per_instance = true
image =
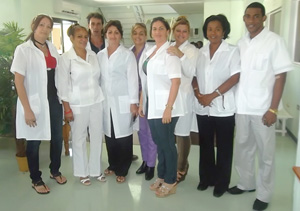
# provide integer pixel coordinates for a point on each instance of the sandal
(158, 182)
(85, 181)
(181, 175)
(166, 190)
(38, 185)
(120, 179)
(108, 172)
(59, 178)
(101, 178)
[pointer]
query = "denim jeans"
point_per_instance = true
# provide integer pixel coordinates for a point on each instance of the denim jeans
(164, 138)
(32, 150)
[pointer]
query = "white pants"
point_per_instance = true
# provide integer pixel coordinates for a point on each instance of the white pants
(251, 136)
(87, 117)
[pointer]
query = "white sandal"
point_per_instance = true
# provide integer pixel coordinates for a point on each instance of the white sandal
(101, 178)
(85, 181)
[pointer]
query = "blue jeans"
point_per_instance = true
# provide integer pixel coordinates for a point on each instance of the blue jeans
(163, 136)
(32, 149)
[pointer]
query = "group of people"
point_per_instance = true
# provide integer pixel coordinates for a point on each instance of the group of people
(172, 88)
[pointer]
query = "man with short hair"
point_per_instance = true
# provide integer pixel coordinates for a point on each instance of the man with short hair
(264, 63)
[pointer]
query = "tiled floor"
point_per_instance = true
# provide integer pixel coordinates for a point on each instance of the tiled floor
(133, 195)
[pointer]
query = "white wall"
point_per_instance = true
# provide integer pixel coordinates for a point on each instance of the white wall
(291, 96)
(23, 11)
(233, 10)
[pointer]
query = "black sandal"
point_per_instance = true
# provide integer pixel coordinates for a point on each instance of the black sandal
(38, 184)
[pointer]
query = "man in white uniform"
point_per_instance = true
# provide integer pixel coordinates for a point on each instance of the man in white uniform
(264, 63)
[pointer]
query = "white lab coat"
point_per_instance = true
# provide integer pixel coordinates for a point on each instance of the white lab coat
(161, 68)
(211, 73)
(119, 81)
(187, 123)
(78, 80)
(30, 62)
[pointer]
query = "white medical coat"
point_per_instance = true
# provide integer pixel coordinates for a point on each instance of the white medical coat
(211, 73)
(30, 62)
(119, 81)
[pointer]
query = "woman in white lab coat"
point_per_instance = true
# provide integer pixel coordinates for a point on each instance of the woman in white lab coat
(161, 80)
(39, 113)
(188, 54)
(119, 80)
(78, 88)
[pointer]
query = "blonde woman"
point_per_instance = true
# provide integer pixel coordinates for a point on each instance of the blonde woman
(188, 54)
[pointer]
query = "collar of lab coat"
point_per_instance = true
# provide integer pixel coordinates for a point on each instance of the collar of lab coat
(223, 47)
(71, 54)
(161, 49)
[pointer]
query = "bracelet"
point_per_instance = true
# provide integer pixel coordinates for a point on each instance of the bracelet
(219, 93)
(168, 106)
(274, 111)
(67, 112)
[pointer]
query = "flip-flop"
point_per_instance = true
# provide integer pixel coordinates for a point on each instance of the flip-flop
(38, 184)
(55, 177)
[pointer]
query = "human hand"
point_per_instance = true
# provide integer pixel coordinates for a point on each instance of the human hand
(174, 51)
(30, 118)
(166, 119)
(141, 112)
(205, 100)
(269, 118)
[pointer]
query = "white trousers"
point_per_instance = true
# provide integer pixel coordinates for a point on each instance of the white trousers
(252, 137)
(87, 117)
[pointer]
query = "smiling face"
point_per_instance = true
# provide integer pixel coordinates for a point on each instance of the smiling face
(215, 32)
(113, 35)
(96, 26)
(181, 33)
(139, 36)
(80, 38)
(254, 21)
(159, 32)
(43, 30)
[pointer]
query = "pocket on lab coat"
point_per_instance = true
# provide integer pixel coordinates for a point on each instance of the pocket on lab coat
(124, 104)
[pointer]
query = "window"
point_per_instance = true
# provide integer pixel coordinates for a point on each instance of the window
(59, 35)
(274, 23)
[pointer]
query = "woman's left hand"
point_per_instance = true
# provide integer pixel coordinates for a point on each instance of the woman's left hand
(167, 115)
(134, 110)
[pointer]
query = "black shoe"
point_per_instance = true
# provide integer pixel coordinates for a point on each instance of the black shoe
(218, 192)
(236, 191)
(149, 174)
(259, 205)
(134, 157)
(142, 168)
(202, 186)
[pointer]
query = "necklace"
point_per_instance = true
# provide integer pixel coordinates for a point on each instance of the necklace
(42, 44)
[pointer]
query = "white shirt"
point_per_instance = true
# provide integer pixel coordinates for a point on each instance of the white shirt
(30, 62)
(161, 68)
(262, 58)
(211, 73)
(78, 79)
(119, 81)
